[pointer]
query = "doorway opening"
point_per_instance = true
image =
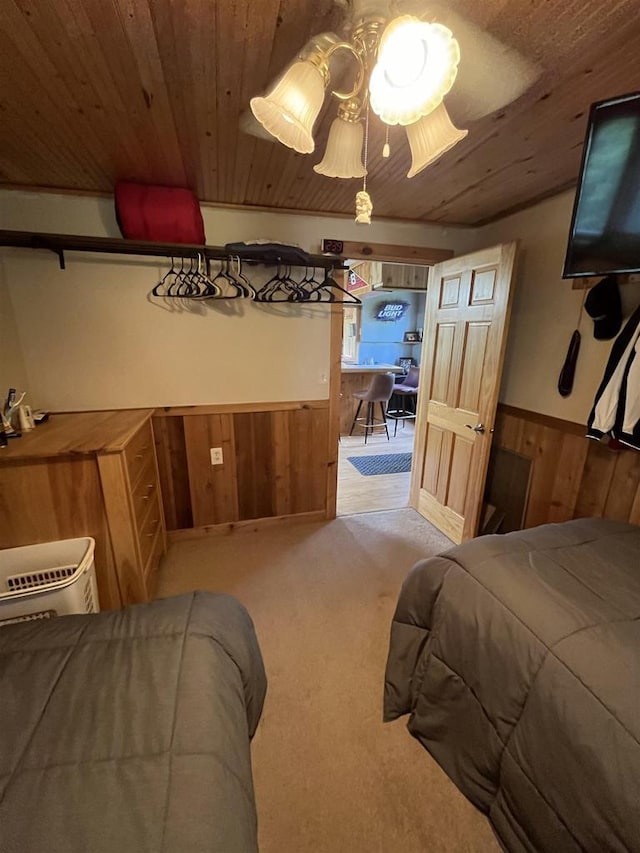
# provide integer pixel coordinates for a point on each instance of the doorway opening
(381, 337)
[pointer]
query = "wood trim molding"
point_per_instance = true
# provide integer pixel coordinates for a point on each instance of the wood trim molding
(236, 408)
(544, 420)
(395, 254)
(251, 525)
(37, 190)
(588, 282)
(335, 381)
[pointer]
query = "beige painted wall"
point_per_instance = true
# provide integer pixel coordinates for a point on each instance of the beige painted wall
(545, 313)
(13, 372)
(91, 339)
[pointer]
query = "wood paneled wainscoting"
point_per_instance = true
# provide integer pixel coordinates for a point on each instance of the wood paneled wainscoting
(279, 463)
(571, 476)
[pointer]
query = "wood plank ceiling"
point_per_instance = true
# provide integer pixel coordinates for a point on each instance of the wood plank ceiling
(94, 91)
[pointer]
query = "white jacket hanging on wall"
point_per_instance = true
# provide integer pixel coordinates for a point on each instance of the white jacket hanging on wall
(616, 410)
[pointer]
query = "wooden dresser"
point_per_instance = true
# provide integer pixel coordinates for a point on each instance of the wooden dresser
(89, 474)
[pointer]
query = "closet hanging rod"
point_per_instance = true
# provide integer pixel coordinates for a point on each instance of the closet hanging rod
(61, 243)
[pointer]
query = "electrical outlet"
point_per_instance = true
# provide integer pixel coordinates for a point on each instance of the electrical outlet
(323, 378)
(216, 455)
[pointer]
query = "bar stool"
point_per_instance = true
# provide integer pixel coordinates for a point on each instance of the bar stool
(405, 393)
(379, 391)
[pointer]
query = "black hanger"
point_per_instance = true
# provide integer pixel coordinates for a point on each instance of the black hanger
(332, 289)
(162, 287)
(174, 289)
(273, 290)
(296, 293)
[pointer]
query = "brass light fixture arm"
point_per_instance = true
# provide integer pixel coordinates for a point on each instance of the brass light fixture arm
(363, 47)
(360, 74)
(320, 50)
(364, 43)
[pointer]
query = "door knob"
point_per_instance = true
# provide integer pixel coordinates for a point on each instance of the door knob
(477, 428)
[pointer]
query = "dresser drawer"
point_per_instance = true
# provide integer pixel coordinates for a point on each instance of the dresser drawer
(151, 526)
(145, 489)
(138, 453)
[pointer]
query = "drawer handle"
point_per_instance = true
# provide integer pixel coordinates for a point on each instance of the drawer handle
(150, 488)
(143, 450)
(155, 524)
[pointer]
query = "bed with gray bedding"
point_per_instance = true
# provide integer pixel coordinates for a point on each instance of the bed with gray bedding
(517, 658)
(129, 731)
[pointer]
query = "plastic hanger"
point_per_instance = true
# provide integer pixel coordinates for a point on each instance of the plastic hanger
(243, 281)
(223, 280)
(163, 286)
(201, 286)
(273, 291)
(333, 290)
(309, 285)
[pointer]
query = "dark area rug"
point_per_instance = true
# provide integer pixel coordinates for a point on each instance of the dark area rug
(384, 463)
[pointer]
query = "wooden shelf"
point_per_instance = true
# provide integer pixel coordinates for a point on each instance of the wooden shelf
(61, 243)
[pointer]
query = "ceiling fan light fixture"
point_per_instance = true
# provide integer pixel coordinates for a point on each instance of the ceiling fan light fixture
(431, 137)
(343, 154)
(290, 109)
(400, 67)
(416, 66)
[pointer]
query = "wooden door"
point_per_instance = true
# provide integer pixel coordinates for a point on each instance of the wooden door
(468, 305)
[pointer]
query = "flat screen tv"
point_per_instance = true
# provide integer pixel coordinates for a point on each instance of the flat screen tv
(605, 228)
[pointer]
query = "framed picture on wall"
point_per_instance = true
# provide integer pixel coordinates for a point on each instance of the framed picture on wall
(405, 363)
(410, 337)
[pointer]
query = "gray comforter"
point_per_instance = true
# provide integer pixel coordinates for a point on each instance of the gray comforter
(518, 660)
(128, 731)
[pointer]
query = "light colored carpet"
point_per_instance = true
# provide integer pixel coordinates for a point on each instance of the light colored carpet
(329, 776)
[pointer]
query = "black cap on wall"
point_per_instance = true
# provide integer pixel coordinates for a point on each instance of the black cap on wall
(604, 307)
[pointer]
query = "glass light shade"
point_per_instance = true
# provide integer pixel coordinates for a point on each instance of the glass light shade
(290, 109)
(343, 154)
(431, 137)
(416, 67)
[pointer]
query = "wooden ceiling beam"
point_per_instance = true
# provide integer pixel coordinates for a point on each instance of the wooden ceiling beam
(420, 255)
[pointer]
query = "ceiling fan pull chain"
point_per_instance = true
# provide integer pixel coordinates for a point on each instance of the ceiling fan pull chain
(364, 206)
(386, 148)
(366, 148)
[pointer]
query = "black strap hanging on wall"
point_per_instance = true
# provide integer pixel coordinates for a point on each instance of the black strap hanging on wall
(568, 372)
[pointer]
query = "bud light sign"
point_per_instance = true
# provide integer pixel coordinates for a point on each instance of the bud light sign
(391, 311)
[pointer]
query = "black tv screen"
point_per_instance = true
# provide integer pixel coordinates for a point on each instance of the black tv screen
(605, 228)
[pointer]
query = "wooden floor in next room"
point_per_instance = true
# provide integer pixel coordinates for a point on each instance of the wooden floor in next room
(357, 493)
